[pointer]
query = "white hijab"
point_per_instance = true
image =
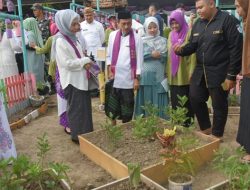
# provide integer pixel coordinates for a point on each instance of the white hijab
(63, 20)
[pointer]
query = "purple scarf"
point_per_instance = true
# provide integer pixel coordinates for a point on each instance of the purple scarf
(76, 51)
(116, 49)
(177, 37)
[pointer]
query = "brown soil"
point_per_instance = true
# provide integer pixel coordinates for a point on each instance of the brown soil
(84, 173)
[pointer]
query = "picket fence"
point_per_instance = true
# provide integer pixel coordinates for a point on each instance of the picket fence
(16, 91)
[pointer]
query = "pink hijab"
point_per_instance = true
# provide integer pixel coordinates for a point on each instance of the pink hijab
(177, 37)
(53, 29)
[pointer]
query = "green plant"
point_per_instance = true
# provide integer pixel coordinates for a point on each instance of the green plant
(40, 85)
(230, 164)
(146, 127)
(114, 133)
(26, 174)
(134, 174)
(233, 100)
(178, 116)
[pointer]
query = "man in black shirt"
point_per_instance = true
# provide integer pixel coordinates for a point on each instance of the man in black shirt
(217, 40)
(153, 11)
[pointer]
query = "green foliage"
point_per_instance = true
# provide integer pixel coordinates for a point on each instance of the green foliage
(114, 133)
(229, 163)
(233, 100)
(40, 85)
(177, 157)
(134, 174)
(24, 173)
(146, 127)
(178, 116)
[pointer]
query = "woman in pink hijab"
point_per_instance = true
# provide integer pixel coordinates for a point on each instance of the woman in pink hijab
(179, 69)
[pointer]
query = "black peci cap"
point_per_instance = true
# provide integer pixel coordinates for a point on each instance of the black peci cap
(124, 15)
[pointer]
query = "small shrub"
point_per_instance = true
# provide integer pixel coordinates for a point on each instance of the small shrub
(24, 174)
(229, 163)
(114, 133)
(146, 127)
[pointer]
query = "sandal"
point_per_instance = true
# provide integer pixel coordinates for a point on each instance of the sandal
(66, 131)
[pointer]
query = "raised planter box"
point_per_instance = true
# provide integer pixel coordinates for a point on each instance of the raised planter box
(29, 117)
(156, 172)
(148, 183)
(232, 110)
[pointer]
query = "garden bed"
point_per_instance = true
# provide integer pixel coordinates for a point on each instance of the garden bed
(130, 150)
(25, 116)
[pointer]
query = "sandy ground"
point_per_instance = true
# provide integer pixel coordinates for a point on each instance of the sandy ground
(84, 173)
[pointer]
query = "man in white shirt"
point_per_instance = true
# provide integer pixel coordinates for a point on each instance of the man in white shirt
(124, 60)
(92, 31)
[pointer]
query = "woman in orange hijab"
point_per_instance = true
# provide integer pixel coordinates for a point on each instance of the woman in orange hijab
(243, 136)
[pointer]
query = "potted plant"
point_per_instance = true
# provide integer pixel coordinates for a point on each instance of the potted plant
(22, 173)
(181, 167)
(174, 152)
(237, 172)
(42, 88)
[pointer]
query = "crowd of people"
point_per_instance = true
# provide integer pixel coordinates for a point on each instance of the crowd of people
(197, 59)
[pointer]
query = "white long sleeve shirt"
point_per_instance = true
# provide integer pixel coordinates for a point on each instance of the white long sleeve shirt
(94, 35)
(71, 68)
(123, 76)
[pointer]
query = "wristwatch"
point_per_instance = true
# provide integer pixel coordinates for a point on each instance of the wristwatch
(138, 77)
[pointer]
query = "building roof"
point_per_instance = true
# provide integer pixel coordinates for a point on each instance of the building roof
(170, 2)
(30, 2)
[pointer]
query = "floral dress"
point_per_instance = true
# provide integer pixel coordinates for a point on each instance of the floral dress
(7, 146)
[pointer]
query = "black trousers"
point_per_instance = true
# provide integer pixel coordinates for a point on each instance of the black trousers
(20, 64)
(181, 91)
(198, 96)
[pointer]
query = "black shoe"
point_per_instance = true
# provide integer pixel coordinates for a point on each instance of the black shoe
(52, 91)
(75, 141)
(43, 91)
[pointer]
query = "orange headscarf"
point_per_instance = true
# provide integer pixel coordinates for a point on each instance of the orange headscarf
(246, 45)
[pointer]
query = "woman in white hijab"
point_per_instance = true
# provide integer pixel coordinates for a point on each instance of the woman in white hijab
(153, 87)
(73, 71)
